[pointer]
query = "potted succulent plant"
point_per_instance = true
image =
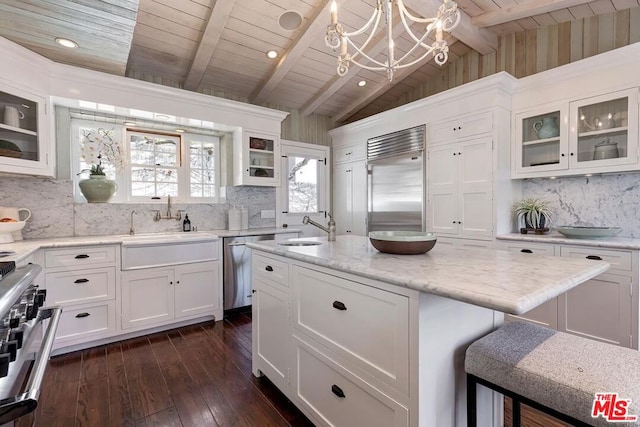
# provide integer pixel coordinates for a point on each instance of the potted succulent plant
(536, 213)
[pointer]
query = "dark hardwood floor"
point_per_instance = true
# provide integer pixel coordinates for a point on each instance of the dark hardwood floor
(193, 376)
(197, 375)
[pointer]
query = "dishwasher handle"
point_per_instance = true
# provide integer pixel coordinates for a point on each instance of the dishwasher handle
(236, 244)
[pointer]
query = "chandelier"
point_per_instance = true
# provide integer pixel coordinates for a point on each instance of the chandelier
(447, 19)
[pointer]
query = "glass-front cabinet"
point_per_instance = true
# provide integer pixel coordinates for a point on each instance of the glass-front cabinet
(23, 146)
(592, 135)
(256, 162)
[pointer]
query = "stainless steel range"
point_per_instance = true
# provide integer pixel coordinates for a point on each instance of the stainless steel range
(24, 351)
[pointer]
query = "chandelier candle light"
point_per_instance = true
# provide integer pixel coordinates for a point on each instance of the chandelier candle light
(447, 19)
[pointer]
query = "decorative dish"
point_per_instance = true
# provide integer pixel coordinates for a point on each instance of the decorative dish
(579, 232)
(261, 173)
(402, 242)
(257, 144)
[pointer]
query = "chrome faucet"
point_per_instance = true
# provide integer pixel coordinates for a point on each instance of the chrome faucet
(330, 229)
(169, 206)
(157, 216)
(131, 229)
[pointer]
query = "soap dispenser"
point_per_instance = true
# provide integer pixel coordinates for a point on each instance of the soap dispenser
(186, 224)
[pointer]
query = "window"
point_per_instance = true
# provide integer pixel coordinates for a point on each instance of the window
(158, 164)
(302, 184)
(155, 159)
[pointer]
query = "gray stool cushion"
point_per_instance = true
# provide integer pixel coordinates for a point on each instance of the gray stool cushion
(558, 370)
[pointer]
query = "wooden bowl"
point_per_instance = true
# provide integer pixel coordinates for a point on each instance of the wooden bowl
(402, 242)
(257, 144)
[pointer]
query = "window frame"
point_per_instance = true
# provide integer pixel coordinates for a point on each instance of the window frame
(123, 181)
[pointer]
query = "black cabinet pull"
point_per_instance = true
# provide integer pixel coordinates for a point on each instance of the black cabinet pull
(268, 268)
(81, 281)
(81, 315)
(81, 256)
(339, 305)
(526, 251)
(596, 257)
(337, 391)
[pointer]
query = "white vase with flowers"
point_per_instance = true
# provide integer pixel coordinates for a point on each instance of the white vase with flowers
(98, 145)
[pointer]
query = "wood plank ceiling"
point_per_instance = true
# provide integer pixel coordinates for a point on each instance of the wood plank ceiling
(218, 47)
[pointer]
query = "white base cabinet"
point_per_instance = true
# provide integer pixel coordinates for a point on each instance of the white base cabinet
(158, 295)
(604, 308)
(349, 351)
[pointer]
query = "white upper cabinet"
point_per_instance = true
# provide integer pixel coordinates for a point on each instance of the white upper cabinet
(592, 135)
(258, 160)
(24, 145)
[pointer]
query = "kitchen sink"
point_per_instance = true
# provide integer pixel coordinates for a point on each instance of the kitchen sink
(155, 238)
(299, 243)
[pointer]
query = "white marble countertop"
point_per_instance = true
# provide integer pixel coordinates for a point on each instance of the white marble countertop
(500, 280)
(24, 248)
(557, 238)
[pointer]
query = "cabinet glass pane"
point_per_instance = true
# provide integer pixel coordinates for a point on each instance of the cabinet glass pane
(541, 139)
(18, 127)
(261, 160)
(603, 131)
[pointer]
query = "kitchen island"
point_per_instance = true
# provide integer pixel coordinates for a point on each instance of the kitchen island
(357, 337)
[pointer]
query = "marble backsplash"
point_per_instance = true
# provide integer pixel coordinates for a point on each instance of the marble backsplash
(55, 214)
(596, 201)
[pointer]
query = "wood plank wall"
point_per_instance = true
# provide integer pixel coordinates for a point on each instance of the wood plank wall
(529, 52)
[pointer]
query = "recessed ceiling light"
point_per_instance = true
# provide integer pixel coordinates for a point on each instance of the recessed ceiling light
(272, 54)
(180, 130)
(290, 20)
(129, 123)
(66, 42)
(362, 83)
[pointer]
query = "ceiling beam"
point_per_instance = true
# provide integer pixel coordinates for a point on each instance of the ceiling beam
(337, 82)
(315, 30)
(210, 37)
(484, 41)
(398, 75)
(523, 10)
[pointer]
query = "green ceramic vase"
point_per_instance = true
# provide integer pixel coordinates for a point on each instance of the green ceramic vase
(97, 188)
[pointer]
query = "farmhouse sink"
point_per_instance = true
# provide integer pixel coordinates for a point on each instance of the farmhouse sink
(158, 250)
(299, 243)
(155, 238)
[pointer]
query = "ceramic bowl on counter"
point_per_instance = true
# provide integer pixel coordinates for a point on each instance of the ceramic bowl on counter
(6, 228)
(579, 232)
(402, 242)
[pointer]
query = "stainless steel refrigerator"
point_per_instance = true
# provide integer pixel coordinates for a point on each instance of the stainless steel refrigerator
(396, 181)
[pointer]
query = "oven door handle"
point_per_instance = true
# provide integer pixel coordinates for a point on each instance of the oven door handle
(32, 390)
(27, 401)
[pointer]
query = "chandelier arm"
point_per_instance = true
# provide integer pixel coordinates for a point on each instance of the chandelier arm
(419, 43)
(381, 67)
(409, 64)
(359, 51)
(405, 12)
(415, 38)
(377, 12)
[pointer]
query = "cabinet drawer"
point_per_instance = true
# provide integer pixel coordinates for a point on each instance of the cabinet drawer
(270, 269)
(461, 127)
(73, 287)
(620, 260)
(86, 321)
(338, 397)
(80, 257)
(350, 153)
(365, 325)
(528, 248)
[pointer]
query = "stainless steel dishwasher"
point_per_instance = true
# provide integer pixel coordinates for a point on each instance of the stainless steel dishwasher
(237, 270)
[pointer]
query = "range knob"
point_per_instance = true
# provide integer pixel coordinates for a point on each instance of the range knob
(40, 297)
(17, 336)
(11, 347)
(31, 312)
(4, 364)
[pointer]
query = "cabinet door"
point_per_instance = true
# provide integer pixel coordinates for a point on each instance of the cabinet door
(343, 197)
(541, 141)
(271, 333)
(599, 309)
(442, 172)
(24, 145)
(147, 297)
(604, 130)
(475, 175)
(197, 289)
(257, 161)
